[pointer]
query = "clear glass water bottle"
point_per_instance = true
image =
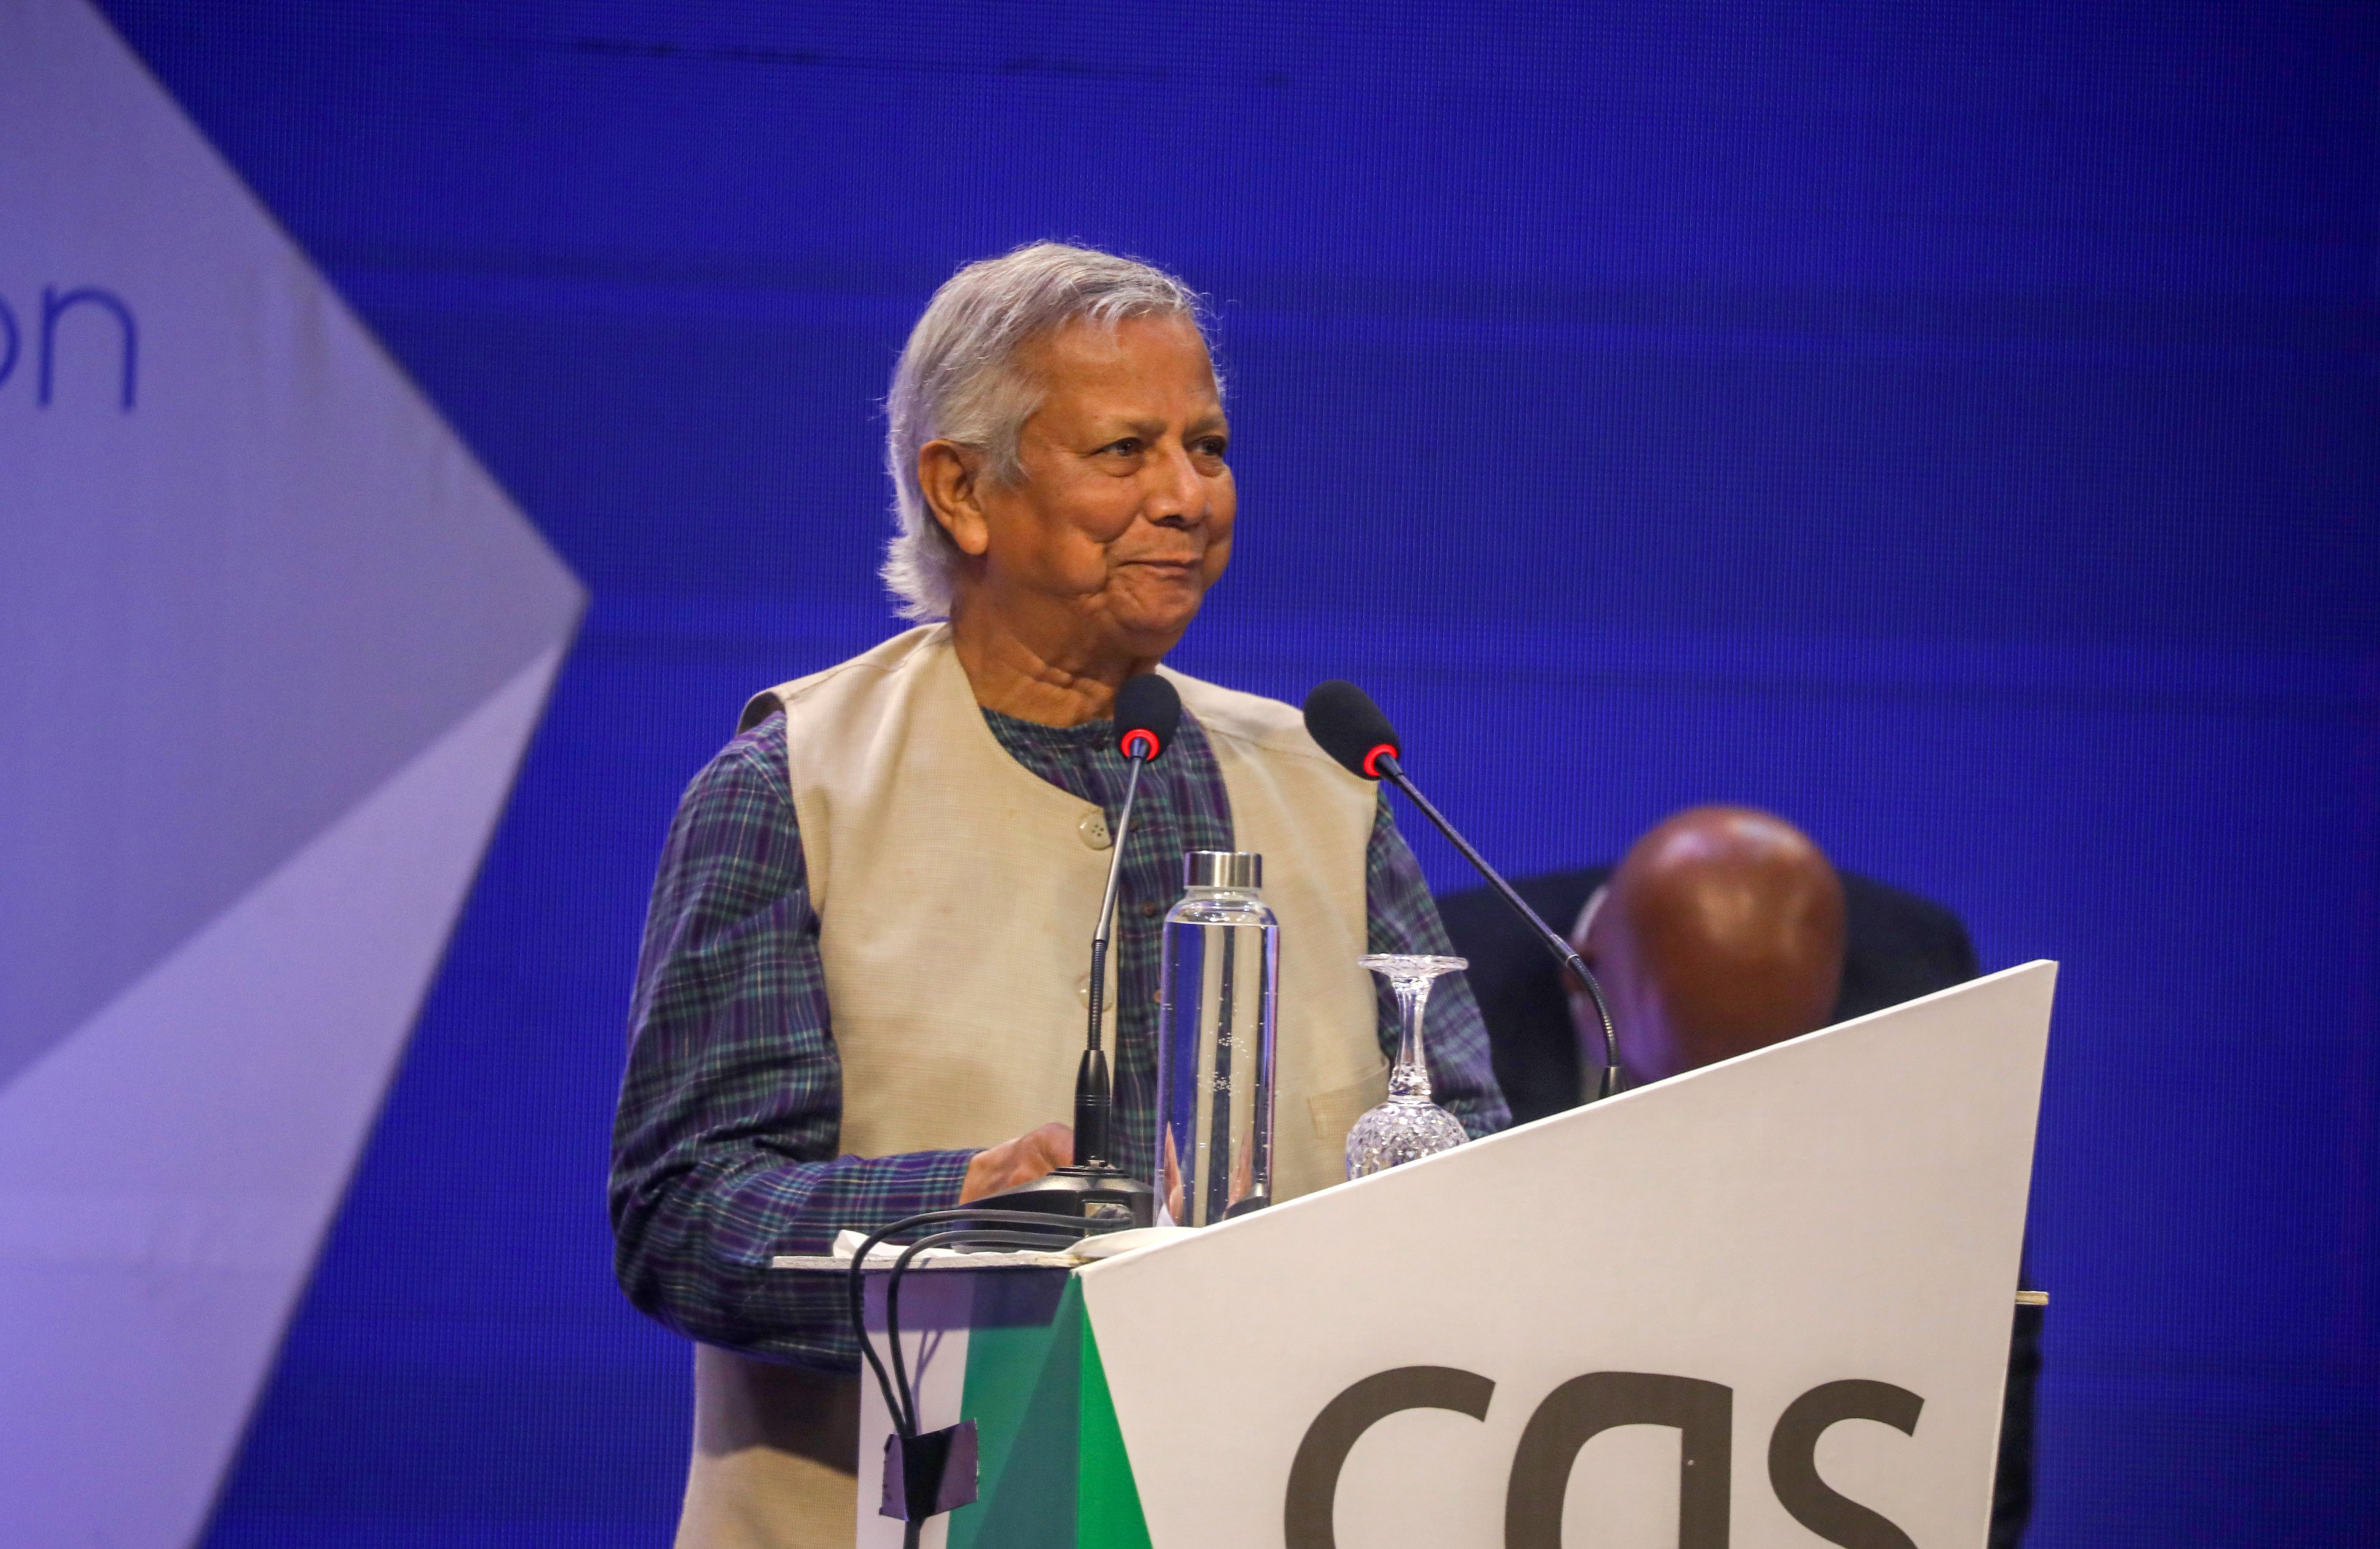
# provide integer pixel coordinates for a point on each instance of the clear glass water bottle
(1215, 1043)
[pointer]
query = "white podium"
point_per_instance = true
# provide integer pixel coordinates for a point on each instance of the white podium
(1764, 1305)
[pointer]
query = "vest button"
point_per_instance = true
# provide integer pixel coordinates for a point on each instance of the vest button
(1083, 991)
(1094, 828)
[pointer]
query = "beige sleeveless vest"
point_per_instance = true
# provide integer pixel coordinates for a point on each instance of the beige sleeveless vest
(955, 891)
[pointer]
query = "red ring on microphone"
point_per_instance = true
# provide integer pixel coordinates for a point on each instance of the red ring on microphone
(1372, 760)
(1140, 743)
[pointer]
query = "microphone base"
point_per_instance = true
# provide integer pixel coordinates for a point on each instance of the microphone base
(1103, 1198)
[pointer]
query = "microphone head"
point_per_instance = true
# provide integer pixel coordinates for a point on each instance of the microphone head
(1148, 710)
(1349, 727)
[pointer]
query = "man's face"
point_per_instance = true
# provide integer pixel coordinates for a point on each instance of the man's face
(1123, 514)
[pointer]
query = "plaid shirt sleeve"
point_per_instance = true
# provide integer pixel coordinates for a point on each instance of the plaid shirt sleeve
(1405, 919)
(723, 1149)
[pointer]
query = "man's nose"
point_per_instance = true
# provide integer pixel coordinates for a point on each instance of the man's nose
(1177, 496)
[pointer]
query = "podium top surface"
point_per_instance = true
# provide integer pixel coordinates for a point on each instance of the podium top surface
(1074, 1256)
(826, 1264)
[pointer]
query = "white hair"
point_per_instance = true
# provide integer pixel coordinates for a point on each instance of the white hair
(957, 381)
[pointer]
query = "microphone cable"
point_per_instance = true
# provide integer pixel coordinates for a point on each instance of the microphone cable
(1014, 1229)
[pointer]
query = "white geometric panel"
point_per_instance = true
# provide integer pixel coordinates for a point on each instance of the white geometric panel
(1773, 1241)
(165, 1174)
(246, 571)
(272, 643)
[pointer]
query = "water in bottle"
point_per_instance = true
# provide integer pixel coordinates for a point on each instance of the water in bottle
(1215, 1043)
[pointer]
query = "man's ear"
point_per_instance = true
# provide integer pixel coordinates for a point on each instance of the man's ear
(1583, 933)
(947, 471)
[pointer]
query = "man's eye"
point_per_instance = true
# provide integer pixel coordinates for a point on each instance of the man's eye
(1129, 446)
(1212, 446)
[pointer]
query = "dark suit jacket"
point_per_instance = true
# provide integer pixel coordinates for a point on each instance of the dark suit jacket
(1898, 946)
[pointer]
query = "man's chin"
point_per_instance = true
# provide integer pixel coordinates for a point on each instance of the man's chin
(1148, 625)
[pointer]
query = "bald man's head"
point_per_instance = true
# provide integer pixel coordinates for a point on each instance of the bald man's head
(1722, 932)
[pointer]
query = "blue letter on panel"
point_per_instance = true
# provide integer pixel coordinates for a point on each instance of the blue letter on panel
(54, 305)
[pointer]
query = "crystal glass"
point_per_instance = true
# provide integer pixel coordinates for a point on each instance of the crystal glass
(1408, 1126)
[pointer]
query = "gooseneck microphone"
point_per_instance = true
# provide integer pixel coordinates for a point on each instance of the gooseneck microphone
(1148, 712)
(1351, 728)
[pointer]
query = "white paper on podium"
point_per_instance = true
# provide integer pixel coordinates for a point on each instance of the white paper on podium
(1849, 1205)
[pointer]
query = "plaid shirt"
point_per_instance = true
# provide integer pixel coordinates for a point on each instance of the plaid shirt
(724, 1147)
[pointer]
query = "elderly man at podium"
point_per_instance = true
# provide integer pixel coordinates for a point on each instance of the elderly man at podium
(862, 985)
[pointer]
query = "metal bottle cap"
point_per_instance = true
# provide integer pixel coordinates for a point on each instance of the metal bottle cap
(1223, 868)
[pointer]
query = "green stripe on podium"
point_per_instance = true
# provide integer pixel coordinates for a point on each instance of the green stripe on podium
(1054, 1468)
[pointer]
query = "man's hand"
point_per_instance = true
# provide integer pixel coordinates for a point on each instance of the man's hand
(1018, 1161)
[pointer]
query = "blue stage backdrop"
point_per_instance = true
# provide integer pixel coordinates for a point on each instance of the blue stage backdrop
(1950, 426)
